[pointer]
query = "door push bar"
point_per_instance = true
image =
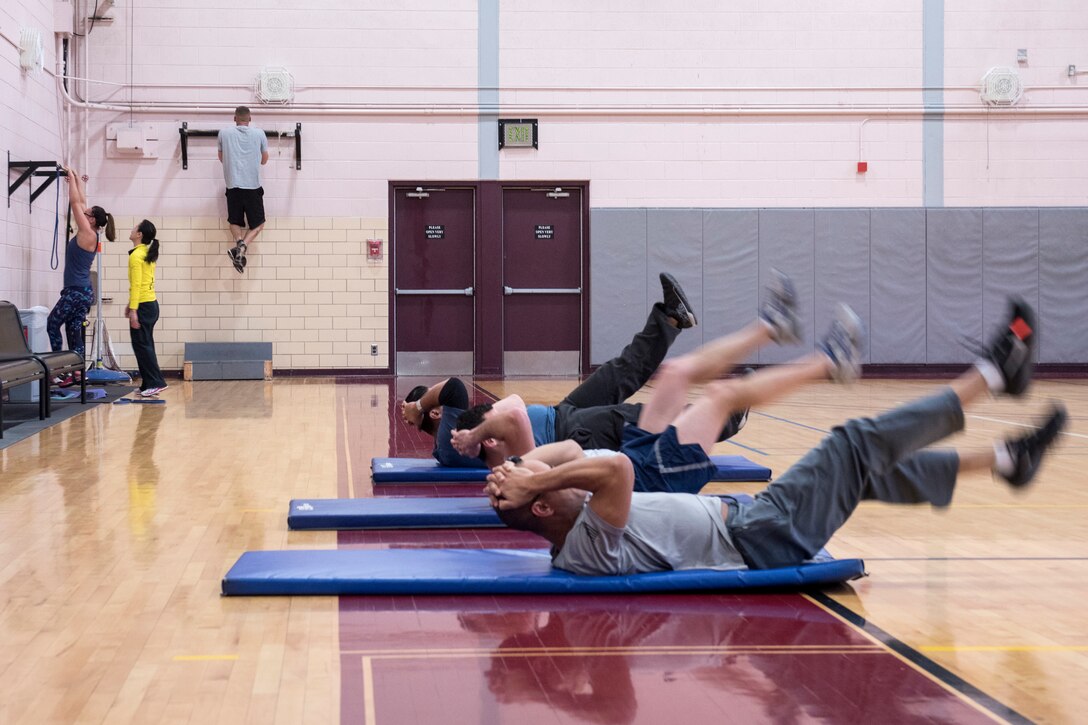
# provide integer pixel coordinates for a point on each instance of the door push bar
(467, 291)
(541, 291)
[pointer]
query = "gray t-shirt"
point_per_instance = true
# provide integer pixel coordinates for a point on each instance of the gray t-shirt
(664, 532)
(242, 147)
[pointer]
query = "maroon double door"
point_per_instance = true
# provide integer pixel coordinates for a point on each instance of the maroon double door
(489, 278)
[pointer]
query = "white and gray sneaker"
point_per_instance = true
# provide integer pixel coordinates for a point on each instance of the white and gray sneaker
(842, 344)
(779, 310)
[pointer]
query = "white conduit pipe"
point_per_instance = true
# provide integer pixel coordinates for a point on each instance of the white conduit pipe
(912, 111)
(582, 89)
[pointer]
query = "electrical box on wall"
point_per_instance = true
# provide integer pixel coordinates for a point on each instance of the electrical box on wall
(63, 17)
(139, 140)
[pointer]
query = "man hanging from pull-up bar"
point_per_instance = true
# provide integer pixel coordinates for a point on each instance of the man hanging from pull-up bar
(243, 150)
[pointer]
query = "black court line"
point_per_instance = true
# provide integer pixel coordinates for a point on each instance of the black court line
(486, 393)
(792, 422)
(747, 448)
(951, 679)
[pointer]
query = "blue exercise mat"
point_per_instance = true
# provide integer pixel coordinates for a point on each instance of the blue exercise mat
(488, 571)
(398, 513)
(393, 513)
(417, 470)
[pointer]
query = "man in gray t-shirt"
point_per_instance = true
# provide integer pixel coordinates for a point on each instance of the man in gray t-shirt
(587, 508)
(695, 537)
(243, 150)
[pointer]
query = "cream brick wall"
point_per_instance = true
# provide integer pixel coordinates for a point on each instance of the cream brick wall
(309, 289)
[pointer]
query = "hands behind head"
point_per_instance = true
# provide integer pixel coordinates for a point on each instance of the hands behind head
(509, 486)
(462, 443)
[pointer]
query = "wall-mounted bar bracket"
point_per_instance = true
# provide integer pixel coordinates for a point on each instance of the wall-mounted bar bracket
(187, 133)
(48, 170)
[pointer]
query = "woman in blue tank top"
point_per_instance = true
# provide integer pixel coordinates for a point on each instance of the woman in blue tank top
(77, 296)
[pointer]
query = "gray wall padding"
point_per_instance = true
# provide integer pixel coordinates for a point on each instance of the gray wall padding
(674, 244)
(618, 290)
(953, 283)
(1010, 261)
(1063, 285)
(842, 266)
(921, 279)
(730, 272)
(897, 314)
(787, 242)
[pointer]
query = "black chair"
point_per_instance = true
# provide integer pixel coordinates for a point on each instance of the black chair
(15, 372)
(13, 346)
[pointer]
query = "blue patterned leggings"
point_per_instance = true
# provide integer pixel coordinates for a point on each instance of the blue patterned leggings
(71, 311)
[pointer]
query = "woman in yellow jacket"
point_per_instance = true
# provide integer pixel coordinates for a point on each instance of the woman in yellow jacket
(143, 308)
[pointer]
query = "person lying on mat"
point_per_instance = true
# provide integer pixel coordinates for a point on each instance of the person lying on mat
(594, 414)
(588, 507)
(496, 432)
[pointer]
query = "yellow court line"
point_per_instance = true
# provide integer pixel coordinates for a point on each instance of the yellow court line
(619, 653)
(203, 658)
(914, 666)
(1003, 648)
(610, 651)
(369, 714)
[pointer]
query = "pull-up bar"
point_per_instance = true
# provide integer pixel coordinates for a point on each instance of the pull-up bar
(31, 169)
(187, 133)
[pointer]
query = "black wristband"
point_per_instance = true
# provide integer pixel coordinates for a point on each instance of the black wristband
(516, 460)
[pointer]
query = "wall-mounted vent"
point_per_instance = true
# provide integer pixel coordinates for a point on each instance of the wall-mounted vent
(275, 85)
(1001, 87)
(31, 52)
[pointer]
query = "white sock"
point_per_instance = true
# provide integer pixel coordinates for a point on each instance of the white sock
(994, 380)
(1003, 463)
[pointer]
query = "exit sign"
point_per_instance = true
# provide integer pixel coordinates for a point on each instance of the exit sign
(517, 133)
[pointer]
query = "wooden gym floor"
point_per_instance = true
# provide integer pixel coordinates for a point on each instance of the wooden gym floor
(117, 525)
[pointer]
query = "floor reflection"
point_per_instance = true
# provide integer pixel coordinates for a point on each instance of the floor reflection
(216, 402)
(716, 658)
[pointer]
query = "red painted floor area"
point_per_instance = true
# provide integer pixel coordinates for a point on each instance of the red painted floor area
(655, 659)
(674, 658)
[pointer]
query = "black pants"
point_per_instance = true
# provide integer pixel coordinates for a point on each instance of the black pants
(594, 413)
(143, 345)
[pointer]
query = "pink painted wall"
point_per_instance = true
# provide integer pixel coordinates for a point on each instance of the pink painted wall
(30, 131)
(620, 90)
(860, 51)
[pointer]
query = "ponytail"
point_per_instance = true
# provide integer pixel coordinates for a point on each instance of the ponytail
(111, 230)
(147, 236)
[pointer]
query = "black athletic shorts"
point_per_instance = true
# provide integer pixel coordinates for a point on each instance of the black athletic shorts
(245, 207)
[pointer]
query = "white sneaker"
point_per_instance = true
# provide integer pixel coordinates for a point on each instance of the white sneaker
(150, 392)
(843, 345)
(779, 310)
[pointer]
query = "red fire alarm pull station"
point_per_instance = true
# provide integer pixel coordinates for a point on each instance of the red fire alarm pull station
(374, 249)
(863, 166)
